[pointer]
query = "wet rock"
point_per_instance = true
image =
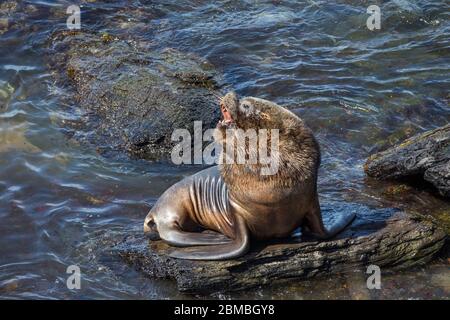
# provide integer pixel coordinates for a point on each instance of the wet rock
(390, 240)
(6, 91)
(133, 96)
(425, 156)
(397, 190)
(4, 24)
(13, 137)
(7, 9)
(18, 15)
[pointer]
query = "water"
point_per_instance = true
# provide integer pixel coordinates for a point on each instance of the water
(61, 203)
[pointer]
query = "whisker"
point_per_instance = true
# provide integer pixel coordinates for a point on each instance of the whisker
(217, 94)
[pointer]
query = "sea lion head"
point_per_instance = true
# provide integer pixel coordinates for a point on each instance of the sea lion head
(250, 113)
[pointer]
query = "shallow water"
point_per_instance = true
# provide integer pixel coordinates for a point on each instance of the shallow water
(359, 90)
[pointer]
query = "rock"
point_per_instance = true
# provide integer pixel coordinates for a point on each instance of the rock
(8, 7)
(133, 96)
(20, 16)
(6, 91)
(4, 24)
(425, 156)
(7, 10)
(390, 240)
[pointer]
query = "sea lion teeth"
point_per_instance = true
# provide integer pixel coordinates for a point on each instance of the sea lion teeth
(236, 201)
(225, 123)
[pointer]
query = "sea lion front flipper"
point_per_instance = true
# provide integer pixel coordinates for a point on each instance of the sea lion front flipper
(179, 238)
(238, 247)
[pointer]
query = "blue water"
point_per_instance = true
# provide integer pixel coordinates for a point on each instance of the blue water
(61, 203)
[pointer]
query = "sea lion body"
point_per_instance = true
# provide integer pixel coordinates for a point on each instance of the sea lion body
(203, 200)
(237, 201)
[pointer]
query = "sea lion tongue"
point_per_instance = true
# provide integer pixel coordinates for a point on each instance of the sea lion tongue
(226, 114)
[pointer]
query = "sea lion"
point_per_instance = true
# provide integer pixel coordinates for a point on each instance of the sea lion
(236, 201)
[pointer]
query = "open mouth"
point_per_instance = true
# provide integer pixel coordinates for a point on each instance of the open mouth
(226, 115)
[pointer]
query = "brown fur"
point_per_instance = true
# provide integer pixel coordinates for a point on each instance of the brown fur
(299, 153)
(272, 205)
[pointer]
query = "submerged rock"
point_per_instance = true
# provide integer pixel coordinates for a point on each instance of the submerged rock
(390, 240)
(21, 16)
(7, 9)
(6, 91)
(425, 156)
(134, 96)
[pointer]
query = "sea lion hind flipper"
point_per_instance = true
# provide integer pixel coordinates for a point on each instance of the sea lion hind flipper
(238, 247)
(315, 227)
(343, 221)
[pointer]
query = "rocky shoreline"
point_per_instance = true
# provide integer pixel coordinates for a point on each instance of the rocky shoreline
(423, 158)
(398, 243)
(131, 96)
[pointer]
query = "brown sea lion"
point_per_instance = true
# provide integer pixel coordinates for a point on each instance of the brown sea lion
(236, 201)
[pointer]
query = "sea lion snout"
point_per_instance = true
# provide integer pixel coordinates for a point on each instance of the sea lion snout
(230, 100)
(228, 108)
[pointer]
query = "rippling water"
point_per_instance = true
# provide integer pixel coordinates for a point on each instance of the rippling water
(359, 90)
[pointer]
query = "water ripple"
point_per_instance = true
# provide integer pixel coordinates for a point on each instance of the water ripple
(62, 204)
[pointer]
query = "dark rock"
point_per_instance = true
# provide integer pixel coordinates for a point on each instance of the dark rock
(425, 156)
(389, 240)
(134, 96)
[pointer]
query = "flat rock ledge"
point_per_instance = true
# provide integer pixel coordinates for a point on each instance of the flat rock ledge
(425, 156)
(399, 242)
